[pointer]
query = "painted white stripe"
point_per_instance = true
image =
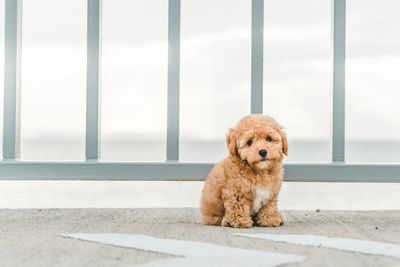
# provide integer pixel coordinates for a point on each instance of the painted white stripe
(194, 253)
(354, 245)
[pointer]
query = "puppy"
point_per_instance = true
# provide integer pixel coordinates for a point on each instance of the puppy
(245, 185)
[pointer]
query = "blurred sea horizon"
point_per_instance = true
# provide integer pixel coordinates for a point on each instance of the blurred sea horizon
(149, 148)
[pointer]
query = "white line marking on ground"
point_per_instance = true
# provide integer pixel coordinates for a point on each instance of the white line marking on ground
(194, 253)
(354, 245)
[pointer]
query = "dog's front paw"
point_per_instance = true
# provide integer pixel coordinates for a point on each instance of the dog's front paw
(272, 220)
(225, 222)
(281, 218)
(238, 222)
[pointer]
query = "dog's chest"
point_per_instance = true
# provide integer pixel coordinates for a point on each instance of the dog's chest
(261, 197)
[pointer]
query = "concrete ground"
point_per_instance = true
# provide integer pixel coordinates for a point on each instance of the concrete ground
(31, 237)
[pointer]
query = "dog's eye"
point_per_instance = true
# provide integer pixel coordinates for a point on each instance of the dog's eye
(249, 142)
(269, 139)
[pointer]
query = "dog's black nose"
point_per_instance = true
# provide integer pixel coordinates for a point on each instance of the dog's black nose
(262, 153)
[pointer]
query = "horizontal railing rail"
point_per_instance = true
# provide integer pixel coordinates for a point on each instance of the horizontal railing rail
(172, 169)
(189, 171)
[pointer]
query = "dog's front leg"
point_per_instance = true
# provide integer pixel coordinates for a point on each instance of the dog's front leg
(237, 207)
(269, 214)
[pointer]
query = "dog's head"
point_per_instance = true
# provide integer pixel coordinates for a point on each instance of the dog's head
(258, 140)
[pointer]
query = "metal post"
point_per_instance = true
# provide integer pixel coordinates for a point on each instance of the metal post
(93, 80)
(173, 79)
(12, 78)
(338, 79)
(257, 57)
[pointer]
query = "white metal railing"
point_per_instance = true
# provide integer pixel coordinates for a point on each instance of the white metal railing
(172, 169)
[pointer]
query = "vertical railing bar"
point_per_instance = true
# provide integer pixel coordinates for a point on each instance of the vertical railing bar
(257, 55)
(12, 80)
(93, 79)
(174, 10)
(338, 79)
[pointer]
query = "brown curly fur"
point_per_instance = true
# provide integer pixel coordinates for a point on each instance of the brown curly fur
(230, 188)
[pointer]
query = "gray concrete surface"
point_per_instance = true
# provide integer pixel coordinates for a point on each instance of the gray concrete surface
(31, 237)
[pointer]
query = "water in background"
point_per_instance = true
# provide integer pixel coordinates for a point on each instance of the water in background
(127, 149)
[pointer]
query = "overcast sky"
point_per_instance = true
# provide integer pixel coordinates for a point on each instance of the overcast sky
(215, 67)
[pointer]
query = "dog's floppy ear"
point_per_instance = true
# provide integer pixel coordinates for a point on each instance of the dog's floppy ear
(231, 141)
(284, 142)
